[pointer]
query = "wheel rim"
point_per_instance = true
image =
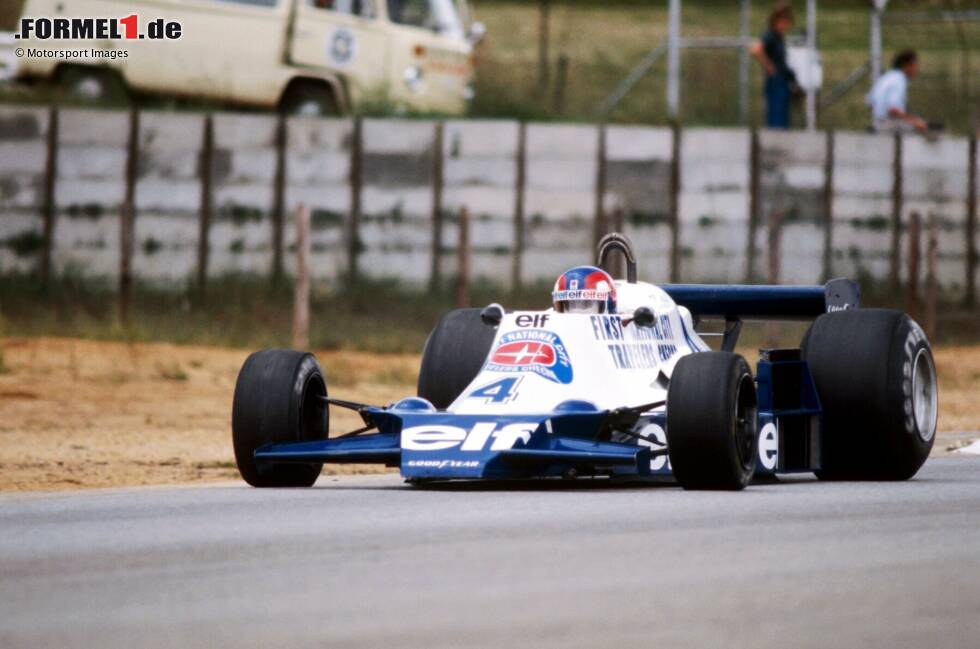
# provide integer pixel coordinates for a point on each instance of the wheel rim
(308, 108)
(312, 407)
(87, 89)
(925, 396)
(745, 422)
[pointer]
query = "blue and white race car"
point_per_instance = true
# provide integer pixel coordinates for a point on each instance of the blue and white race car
(628, 389)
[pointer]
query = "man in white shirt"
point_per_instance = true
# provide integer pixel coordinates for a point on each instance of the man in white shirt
(888, 97)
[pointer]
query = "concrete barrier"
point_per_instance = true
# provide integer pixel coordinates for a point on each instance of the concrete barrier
(414, 170)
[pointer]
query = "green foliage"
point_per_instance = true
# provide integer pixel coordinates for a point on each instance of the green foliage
(26, 243)
(152, 246)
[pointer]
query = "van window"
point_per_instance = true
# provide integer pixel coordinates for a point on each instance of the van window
(437, 15)
(363, 8)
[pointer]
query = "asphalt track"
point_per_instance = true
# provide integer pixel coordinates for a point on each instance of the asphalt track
(369, 562)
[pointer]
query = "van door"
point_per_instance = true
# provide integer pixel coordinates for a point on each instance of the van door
(342, 35)
(230, 49)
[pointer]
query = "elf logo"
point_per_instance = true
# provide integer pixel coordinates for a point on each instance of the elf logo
(438, 437)
(532, 319)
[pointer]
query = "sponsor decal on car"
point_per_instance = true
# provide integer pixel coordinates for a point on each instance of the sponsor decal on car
(769, 446)
(533, 350)
(440, 437)
(633, 352)
(536, 320)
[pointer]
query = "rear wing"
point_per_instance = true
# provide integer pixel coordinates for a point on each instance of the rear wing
(746, 301)
(765, 302)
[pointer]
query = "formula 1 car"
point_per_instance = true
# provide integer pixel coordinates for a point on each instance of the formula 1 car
(636, 395)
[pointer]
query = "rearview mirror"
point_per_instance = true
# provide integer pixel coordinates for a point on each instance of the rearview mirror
(643, 317)
(492, 315)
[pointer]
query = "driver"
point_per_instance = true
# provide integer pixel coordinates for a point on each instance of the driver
(584, 289)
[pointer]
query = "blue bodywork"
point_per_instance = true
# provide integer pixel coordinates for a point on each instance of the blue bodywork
(452, 446)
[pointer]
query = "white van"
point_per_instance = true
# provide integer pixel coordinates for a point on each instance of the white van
(300, 56)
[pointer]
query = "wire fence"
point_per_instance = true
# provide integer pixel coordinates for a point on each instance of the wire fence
(590, 51)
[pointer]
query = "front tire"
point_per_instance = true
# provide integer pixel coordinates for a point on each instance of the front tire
(278, 399)
(712, 421)
(876, 379)
(453, 355)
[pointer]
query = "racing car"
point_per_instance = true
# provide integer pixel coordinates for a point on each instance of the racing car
(616, 380)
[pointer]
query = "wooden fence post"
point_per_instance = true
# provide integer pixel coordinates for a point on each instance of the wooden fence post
(279, 199)
(435, 273)
(897, 197)
(516, 270)
(561, 80)
(543, 24)
(463, 257)
(206, 164)
(912, 291)
(356, 180)
(932, 249)
(971, 227)
(675, 201)
(301, 293)
(828, 209)
(599, 222)
(48, 202)
(755, 204)
(127, 217)
(774, 232)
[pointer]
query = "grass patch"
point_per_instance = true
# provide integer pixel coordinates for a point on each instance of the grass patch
(604, 40)
(251, 313)
(244, 311)
(172, 372)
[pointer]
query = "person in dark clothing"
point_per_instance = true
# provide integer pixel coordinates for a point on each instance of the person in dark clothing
(770, 51)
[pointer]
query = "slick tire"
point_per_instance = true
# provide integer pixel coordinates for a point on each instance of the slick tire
(453, 355)
(876, 379)
(712, 421)
(277, 399)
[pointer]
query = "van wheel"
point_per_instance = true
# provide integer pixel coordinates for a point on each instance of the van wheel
(92, 86)
(309, 100)
(454, 354)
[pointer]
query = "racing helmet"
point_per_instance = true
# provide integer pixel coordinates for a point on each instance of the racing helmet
(584, 289)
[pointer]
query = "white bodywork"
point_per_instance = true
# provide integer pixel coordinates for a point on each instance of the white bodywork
(609, 364)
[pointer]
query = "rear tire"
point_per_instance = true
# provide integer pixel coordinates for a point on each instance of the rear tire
(712, 421)
(453, 355)
(876, 379)
(277, 400)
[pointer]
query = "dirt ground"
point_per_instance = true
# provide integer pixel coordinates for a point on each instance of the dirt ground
(81, 414)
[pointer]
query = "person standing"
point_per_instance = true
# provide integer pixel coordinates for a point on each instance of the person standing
(888, 97)
(770, 51)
